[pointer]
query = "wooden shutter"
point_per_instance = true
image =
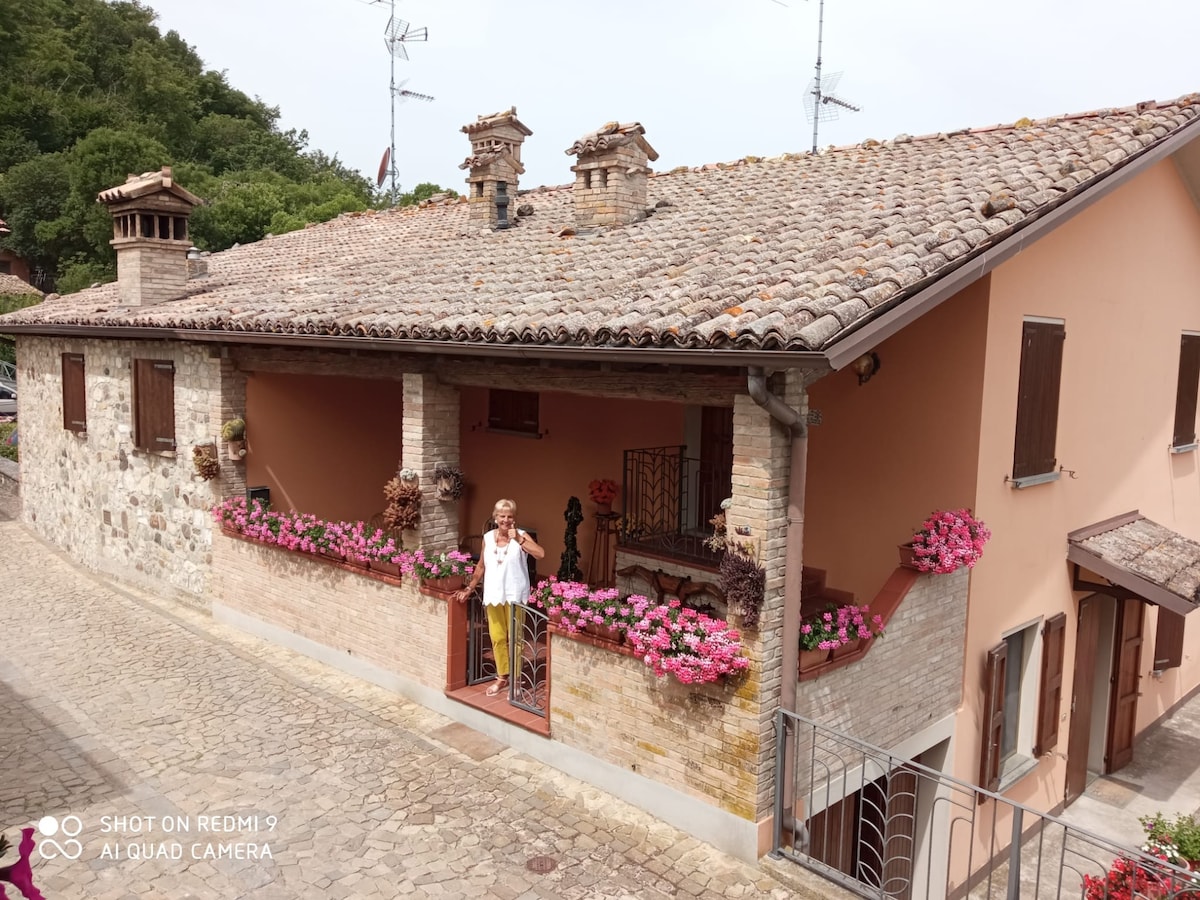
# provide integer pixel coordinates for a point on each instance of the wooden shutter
(154, 404)
(1050, 697)
(1037, 398)
(1168, 640)
(74, 393)
(1185, 393)
(513, 410)
(993, 716)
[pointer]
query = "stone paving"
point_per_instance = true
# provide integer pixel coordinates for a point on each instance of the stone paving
(116, 704)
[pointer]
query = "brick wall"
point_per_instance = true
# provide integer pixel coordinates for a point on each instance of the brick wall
(702, 741)
(395, 627)
(910, 679)
(431, 436)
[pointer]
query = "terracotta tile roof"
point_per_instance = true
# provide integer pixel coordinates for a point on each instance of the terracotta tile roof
(11, 284)
(768, 254)
(1149, 559)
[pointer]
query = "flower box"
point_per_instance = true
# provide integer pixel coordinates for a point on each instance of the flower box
(908, 556)
(810, 659)
(448, 584)
(385, 568)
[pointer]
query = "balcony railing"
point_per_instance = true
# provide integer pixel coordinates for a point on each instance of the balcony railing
(667, 499)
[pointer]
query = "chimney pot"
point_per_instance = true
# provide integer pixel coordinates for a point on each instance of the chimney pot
(611, 175)
(494, 164)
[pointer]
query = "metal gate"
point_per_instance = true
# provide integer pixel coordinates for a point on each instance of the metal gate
(529, 654)
(888, 827)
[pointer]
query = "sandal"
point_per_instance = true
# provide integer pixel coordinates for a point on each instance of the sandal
(496, 687)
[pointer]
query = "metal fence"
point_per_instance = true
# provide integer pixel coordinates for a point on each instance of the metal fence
(667, 499)
(883, 826)
(529, 653)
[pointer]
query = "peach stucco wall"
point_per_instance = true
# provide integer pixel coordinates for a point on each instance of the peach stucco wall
(584, 439)
(323, 444)
(1123, 275)
(889, 452)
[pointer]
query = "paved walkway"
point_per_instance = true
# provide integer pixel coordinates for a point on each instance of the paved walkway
(113, 704)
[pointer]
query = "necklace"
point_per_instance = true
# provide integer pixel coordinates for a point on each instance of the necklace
(501, 554)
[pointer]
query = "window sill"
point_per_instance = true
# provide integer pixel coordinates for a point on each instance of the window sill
(1031, 480)
(513, 432)
(1014, 769)
(1185, 448)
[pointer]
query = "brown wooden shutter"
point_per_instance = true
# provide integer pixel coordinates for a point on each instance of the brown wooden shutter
(1168, 640)
(513, 410)
(1037, 398)
(1050, 698)
(993, 716)
(74, 393)
(154, 404)
(1185, 393)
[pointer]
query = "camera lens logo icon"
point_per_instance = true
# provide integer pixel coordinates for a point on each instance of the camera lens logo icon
(70, 828)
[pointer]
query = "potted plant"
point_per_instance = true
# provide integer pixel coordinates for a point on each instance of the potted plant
(450, 481)
(945, 542)
(204, 461)
(603, 492)
(743, 580)
(837, 627)
(440, 571)
(404, 502)
(233, 433)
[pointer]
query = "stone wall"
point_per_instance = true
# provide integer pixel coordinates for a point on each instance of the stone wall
(135, 514)
(910, 679)
(393, 626)
(700, 740)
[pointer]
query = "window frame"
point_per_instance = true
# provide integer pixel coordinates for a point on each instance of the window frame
(74, 393)
(1039, 698)
(154, 405)
(1039, 392)
(1187, 387)
(514, 412)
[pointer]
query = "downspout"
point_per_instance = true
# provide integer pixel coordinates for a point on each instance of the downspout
(797, 424)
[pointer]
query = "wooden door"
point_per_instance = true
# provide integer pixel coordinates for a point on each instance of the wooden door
(1087, 639)
(900, 844)
(715, 478)
(1126, 681)
(831, 835)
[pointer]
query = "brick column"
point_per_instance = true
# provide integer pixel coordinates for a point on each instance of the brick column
(431, 436)
(761, 464)
(227, 402)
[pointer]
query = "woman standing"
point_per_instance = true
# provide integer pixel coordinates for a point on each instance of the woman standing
(503, 567)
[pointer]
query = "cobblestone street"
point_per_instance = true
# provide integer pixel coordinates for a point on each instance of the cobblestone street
(115, 704)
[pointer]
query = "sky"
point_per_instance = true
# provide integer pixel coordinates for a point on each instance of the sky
(710, 80)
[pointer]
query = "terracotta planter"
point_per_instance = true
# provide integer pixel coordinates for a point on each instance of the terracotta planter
(603, 508)
(847, 648)
(448, 584)
(236, 450)
(333, 554)
(385, 568)
(604, 633)
(357, 563)
(810, 659)
(908, 557)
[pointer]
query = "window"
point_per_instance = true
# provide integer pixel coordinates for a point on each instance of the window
(154, 404)
(1020, 716)
(1185, 393)
(513, 411)
(1037, 401)
(74, 394)
(1168, 640)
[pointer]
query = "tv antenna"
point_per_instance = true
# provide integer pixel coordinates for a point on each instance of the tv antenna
(820, 102)
(396, 36)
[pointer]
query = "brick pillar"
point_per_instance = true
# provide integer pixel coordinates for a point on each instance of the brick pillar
(227, 402)
(761, 463)
(431, 436)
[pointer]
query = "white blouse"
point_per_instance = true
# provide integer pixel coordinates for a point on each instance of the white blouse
(505, 571)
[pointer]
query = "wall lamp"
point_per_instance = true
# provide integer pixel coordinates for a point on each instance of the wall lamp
(865, 366)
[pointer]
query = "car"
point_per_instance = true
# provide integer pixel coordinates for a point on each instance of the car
(8, 401)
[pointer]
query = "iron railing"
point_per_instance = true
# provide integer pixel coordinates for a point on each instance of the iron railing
(883, 826)
(667, 499)
(529, 654)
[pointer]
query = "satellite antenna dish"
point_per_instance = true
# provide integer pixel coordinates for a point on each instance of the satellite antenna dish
(396, 36)
(820, 103)
(383, 166)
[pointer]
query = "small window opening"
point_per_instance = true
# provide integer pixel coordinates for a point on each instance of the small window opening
(147, 225)
(180, 228)
(587, 178)
(604, 178)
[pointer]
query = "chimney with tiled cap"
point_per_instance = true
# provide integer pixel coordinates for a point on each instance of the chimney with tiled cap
(610, 177)
(150, 233)
(494, 164)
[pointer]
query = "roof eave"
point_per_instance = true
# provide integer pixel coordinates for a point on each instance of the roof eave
(904, 309)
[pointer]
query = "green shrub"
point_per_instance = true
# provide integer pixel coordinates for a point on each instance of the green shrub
(7, 428)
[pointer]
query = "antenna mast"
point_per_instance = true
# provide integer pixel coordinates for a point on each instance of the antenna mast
(395, 36)
(820, 103)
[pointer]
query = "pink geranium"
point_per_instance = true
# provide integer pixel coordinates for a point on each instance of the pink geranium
(949, 540)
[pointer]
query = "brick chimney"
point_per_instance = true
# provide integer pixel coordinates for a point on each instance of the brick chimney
(610, 177)
(494, 164)
(150, 233)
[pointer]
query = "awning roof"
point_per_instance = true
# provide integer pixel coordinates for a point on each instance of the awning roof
(1148, 559)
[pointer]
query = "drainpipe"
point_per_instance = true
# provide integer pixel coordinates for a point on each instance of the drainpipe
(797, 424)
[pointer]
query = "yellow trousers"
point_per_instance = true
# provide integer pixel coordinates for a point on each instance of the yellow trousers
(502, 640)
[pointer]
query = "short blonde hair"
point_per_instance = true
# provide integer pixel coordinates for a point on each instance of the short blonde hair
(511, 505)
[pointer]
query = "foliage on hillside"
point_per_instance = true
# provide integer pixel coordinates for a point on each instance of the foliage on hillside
(91, 91)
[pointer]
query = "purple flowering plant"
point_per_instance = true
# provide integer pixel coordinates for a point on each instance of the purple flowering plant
(949, 540)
